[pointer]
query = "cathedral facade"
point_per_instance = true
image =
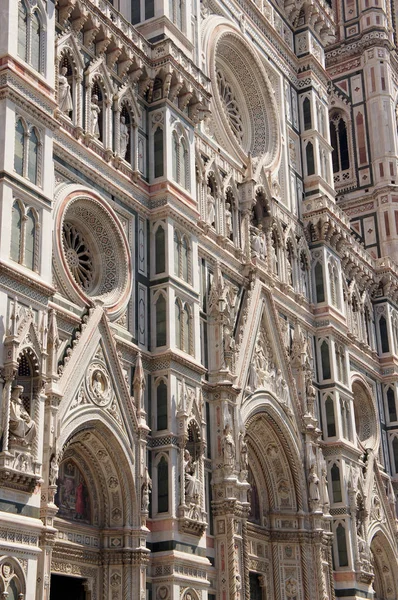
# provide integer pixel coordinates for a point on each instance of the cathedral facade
(198, 300)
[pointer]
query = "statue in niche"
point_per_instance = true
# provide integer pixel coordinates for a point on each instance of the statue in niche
(192, 485)
(54, 470)
(259, 247)
(228, 448)
(64, 94)
(22, 426)
(228, 220)
(95, 112)
(146, 491)
(313, 484)
(211, 207)
(325, 489)
(243, 456)
(124, 136)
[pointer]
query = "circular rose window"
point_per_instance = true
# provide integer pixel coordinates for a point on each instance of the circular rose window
(244, 109)
(92, 257)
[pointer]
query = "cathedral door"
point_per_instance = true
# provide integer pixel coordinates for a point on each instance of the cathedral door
(66, 588)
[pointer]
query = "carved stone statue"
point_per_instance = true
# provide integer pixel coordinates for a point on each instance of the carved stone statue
(325, 490)
(228, 220)
(64, 94)
(21, 425)
(243, 456)
(192, 486)
(228, 448)
(124, 136)
(313, 484)
(259, 247)
(146, 490)
(211, 207)
(95, 112)
(54, 470)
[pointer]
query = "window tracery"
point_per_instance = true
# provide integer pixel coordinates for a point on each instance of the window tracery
(24, 236)
(78, 256)
(231, 105)
(30, 36)
(27, 151)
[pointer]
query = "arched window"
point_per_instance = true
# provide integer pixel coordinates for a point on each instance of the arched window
(345, 418)
(385, 346)
(185, 258)
(160, 250)
(307, 114)
(158, 152)
(35, 47)
(33, 152)
(16, 232)
(187, 330)
(341, 546)
(319, 286)
(395, 452)
(339, 142)
(330, 419)
(175, 156)
(22, 31)
(178, 325)
(163, 485)
(275, 252)
(19, 151)
(336, 484)
(392, 407)
(309, 153)
(177, 252)
(30, 237)
(325, 360)
(184, 165)
(161, 406)
(161, 331)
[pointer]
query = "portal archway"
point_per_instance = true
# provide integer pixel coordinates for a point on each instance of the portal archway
(384, 564)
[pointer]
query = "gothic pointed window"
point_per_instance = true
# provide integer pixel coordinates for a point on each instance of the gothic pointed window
(307, 114)
(342, 546)
(184, 165)
(395, 452)
(385, 346)
(336, 484)
(161, 406)
(161, 331)
(175, 156)
(339, 142)
(330, 419)
(325, 360)
(22, 31)
(178, 325)
(16, 232)
(160, 250)
(186, 330)
(33, 151)
(19, 151)
(392, 407)
(319, 286)
(163, 485)
(185, 258)
(35, 50)
(309, 153)
(158, 152)
(177, 253)
(30, 238)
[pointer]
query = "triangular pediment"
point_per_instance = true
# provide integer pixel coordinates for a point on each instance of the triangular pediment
(263, 363)
(93, 381)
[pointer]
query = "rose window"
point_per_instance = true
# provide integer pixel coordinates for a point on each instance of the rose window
(92, 255)
(230, 105)
(78, 256)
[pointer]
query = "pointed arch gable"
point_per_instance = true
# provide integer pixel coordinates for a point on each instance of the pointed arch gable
(67, 46)
(97, 72)
(125, 95)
